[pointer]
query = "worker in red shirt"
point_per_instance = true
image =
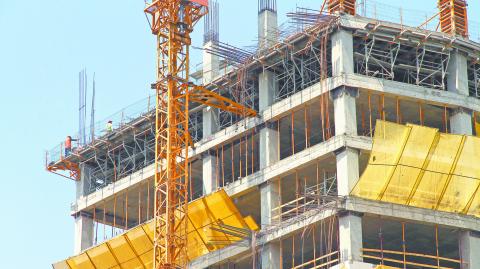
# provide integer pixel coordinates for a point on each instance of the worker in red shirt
(68, 145)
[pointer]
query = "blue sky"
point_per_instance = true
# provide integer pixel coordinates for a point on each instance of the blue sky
(43, 46)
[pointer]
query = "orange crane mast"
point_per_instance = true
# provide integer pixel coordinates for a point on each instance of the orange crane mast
(172, 22)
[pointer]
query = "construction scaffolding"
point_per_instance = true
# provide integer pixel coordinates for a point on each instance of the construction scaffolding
(394, 58)
(294, 194)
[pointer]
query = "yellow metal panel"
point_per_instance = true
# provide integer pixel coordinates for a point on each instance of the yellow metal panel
(125, 255)
(418, 166)
(61, 265)
(142, 245)
(388, 141)
(414, 154)
(436, 175)
(134, 249)
(80, 262)
(474, 208)
(102, 257)
(252, 225)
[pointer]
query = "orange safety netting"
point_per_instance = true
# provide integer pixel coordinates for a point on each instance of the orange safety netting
(214, 223)
(419, 166)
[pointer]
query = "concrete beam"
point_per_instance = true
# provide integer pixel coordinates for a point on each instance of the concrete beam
(410, 213)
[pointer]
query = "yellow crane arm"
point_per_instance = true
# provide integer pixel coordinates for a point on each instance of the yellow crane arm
(200, 94)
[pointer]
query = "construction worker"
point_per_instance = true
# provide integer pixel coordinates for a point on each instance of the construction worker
(68, 145)
(109, 127)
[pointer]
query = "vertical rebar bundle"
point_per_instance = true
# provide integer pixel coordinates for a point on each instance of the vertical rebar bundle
(453, 17)
(264, 5)
(212, 22)
(82, 106)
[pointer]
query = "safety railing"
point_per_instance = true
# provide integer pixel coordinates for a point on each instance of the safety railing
(409, 259)
(99, 129)
(410, 17)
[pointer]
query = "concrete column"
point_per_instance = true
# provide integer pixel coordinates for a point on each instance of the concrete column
(345, 109)
(267, 86)
(270, 199)
(267, 28)
(269, 192)
(457, 79)
(210, 126)
(347, 170)
(461, 121)
(342, 53)
(83, 223)
(350, 224)
(350, 235)
(209, 173)
(211, 64)
(457, 82)
(271, 256)
(83, 233)
(470, 249)
(268, 146)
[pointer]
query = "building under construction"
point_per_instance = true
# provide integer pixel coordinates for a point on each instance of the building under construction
(364, 151)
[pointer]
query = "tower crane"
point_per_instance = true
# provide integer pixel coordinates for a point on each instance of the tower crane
(172, 21)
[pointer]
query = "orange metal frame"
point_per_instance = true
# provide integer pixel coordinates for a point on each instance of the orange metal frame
(453, 17)
(172, 22)
(342, 6)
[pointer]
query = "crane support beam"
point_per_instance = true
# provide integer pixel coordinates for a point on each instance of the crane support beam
(199, 94)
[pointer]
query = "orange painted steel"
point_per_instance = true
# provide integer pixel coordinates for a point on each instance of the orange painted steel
(172, 22)
(453, 17)
(342, 6)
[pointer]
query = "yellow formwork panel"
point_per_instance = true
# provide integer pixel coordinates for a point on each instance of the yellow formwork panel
(419, 166)
(134, 249)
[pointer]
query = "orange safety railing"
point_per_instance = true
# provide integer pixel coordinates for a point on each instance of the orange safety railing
(410, 259)
(56, 161)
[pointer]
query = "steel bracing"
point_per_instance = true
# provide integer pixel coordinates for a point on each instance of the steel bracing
(418, 63)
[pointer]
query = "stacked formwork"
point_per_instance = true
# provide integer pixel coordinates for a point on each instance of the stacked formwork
(319, 93)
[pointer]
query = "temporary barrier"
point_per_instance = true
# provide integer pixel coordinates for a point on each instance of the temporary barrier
(419, 166)
(214, 222)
